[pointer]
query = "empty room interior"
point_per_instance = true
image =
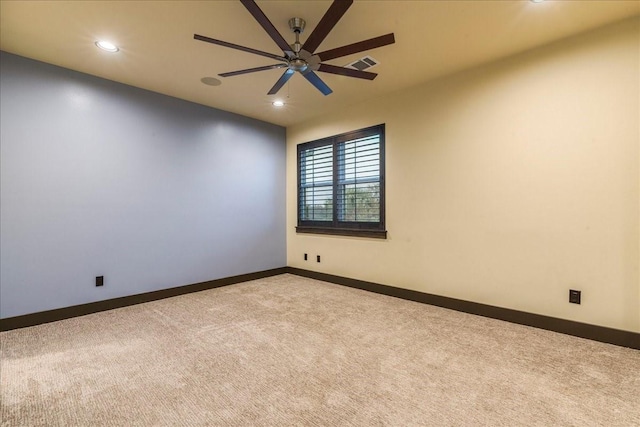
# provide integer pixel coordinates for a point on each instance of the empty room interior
(327, 213)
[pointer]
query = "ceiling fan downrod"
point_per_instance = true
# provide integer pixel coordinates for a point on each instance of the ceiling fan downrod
(297, 27)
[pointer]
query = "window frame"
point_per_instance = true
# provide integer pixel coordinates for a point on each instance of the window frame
(334, 226)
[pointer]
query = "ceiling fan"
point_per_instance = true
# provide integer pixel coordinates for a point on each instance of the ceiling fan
(302, 57)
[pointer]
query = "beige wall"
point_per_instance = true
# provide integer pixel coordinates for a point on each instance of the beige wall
(507, 185)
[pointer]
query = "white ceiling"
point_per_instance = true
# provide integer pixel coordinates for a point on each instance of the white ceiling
(158, 52)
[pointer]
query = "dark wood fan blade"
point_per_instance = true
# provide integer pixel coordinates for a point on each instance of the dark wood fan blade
(357, 47)
(281, 81)
(317, 82)
(252, 70)
(326, 24)
(238, 47)
(349, 72)
(262, 19)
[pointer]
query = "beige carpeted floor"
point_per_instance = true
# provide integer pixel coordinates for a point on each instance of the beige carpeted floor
(287, 351)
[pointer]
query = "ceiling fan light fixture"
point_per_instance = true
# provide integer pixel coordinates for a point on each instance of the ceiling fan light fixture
(298, 64)
(108, 46)
(278, 103)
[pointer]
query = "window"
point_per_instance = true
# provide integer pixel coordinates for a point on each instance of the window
(341, 184)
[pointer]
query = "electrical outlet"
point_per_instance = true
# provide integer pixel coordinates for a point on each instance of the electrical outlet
(305, 257)
(574, 296)
(318, 258)
(99, 280)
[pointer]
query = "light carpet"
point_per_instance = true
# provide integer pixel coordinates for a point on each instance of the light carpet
(292, 351)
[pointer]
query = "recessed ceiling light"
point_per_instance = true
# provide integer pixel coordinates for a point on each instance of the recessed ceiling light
(278, 103)
(108, 46)
(537, 1)
(211, 81)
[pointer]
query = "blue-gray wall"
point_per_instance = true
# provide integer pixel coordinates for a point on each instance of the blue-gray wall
(99, 178)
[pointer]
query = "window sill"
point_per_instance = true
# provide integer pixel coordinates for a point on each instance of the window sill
(374, 234)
